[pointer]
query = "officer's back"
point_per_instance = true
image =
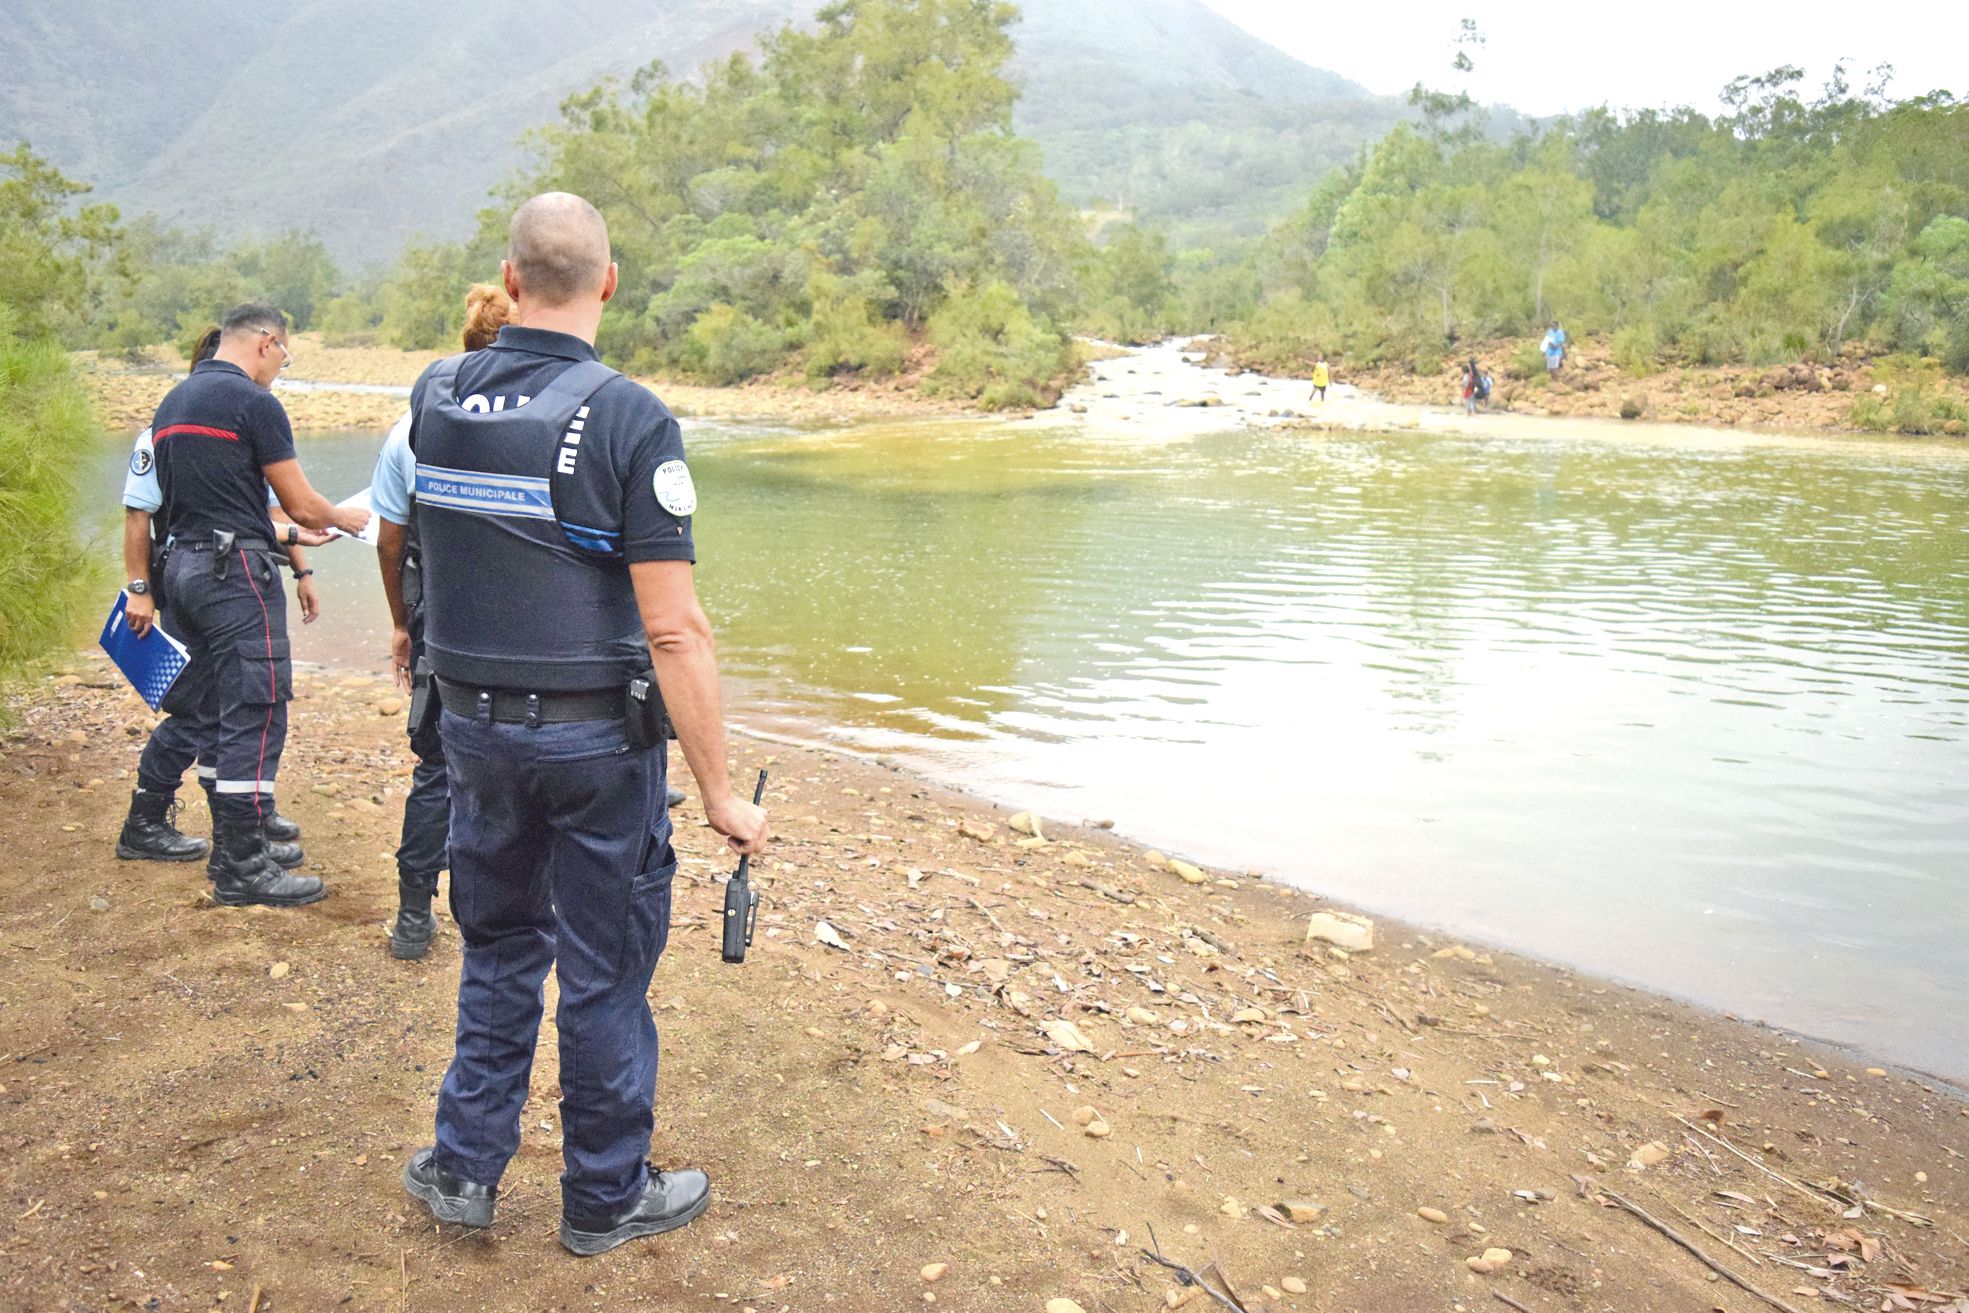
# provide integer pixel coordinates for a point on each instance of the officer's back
(553, 512)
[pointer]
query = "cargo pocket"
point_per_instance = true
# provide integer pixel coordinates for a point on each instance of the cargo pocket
(265, 669)
(649, 905)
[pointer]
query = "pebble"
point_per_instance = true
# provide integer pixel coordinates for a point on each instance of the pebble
(1876, 1071)
(1099, 1129)
(278, 970)
(1063, 1306)
(1648, 1155)
(1354, 933)
(98, 904)
(1141, 1016)
(1293, 1285)
(1301, 1210)
(931, 1271)
(1436, 1215)
(1085, 1116)
(389, 707)
(1189, 873)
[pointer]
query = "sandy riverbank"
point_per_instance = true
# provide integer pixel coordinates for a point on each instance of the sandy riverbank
(127, 392)
(187, 1120)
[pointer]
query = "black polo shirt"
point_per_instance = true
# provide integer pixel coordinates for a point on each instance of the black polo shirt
(215, 434)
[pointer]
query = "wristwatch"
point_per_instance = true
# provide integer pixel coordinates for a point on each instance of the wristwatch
(138, 587)
(302, 574)
(293, 536)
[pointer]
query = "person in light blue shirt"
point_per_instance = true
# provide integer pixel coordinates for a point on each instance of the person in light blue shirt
(1554, 347)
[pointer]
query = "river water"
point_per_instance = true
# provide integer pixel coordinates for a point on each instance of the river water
(1692, 714)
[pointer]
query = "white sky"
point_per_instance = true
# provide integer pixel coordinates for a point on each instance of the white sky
(1546, 58)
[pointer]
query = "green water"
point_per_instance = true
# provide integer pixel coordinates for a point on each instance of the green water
(1693, 714)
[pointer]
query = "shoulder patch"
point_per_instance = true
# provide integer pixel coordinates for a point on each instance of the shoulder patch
(141, 461)
(674, 490)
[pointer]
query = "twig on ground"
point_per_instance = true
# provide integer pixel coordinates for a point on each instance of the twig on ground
(995, 922)
(1825, 1198)
(1689, 1245)
(253, 1304)
(1504, 1298)
(1195, 1277)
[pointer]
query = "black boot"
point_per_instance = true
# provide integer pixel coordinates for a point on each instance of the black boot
(246, 875)
(280, 833)
(415, 927)
(149, 836)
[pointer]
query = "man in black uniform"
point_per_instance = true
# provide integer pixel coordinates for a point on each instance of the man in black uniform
(553, 513)
(221, 440)
(189, 732)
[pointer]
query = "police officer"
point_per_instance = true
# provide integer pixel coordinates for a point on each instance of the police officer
(427, 807)
(188, 734)
(553, 510)
(221, 440)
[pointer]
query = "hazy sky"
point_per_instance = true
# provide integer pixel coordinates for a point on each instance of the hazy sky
(1547, 58)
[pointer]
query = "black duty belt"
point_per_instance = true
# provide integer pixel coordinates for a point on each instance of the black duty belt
(206, 544)
(514, 707)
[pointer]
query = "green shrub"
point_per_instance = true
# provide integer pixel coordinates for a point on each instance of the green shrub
(991, 348)
(725, 345)
(47, 430)
(1869, 412)
(1527, 361)
(351, 319)
(1285, 335)
(845, 337)
(1636, 350)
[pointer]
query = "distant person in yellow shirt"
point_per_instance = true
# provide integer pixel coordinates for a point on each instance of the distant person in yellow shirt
(1320, 379)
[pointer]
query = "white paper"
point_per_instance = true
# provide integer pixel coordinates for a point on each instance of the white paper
(358, 502)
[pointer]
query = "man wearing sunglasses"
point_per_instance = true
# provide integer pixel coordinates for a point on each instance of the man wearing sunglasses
(220, 440)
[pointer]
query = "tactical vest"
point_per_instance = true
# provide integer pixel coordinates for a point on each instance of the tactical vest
(514, 598)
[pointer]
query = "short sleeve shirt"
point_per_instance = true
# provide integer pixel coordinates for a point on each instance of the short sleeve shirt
(390, 487)
(628, 492)
(140, 491)
(214, 436)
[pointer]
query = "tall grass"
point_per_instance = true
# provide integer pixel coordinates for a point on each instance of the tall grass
(47, 426)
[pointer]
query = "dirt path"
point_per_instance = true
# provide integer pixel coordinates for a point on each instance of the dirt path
(187, 1124)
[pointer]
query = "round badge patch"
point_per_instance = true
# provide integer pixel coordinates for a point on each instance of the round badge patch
(140, 462)
(674, 490)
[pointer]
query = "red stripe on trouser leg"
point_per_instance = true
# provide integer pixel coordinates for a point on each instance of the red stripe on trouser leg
(273, 682)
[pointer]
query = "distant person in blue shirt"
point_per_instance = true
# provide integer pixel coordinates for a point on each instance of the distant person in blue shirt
(1554, 347)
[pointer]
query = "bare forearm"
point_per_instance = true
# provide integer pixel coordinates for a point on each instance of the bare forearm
(686, 662)
(392, 541)
(311, 511)
(136, 544)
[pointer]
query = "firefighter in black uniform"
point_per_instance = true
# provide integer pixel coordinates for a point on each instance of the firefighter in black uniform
(553, 515)
(221, 439)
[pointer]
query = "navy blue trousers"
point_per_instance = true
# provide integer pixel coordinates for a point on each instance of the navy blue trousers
(421, 852)
(231, 615)
(189, 732)
(560, 857)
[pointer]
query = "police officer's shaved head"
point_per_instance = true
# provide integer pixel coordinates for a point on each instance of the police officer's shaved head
(255, 318)
(558, 248)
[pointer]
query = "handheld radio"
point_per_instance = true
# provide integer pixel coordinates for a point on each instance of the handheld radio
(741, 904)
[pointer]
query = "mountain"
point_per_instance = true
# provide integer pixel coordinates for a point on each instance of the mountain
(370, 122)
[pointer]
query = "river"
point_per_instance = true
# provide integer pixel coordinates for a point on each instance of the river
(1692, 714)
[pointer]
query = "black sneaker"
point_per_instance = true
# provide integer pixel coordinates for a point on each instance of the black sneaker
(670, 1200)
(450, 1198)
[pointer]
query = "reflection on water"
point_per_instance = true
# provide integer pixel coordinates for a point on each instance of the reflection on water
(1692, 715)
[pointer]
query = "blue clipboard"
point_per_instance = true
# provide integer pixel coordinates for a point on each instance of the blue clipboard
(151, 663)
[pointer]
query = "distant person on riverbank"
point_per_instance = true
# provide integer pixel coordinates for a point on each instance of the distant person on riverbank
(1472, 386)
(1321, 377)
(188, 735)
(1554, 348)
(555, 539)
(221, 440)
(422, 848)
